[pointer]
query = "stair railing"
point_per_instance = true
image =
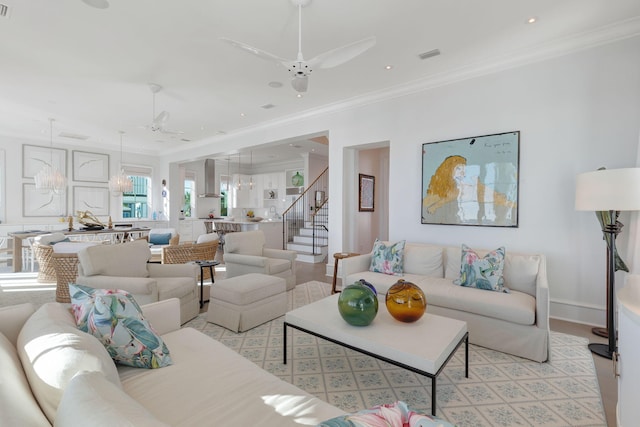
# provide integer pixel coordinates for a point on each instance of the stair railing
(310, 208)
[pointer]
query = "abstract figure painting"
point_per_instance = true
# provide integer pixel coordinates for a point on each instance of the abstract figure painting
(471, 181)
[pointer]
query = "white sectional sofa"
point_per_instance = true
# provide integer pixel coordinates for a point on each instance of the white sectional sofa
(52, 373)
(516, 323)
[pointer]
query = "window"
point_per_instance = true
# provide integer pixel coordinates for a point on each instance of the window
(225, 182)
(189, 203)
(137, 203)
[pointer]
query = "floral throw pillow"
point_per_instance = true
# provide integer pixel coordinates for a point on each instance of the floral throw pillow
(388, 259)
(115, 318)
(392, 415)
(482, 272)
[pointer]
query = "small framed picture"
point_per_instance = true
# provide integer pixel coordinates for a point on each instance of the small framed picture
(90, 167)
(93, 199)
(366, 193)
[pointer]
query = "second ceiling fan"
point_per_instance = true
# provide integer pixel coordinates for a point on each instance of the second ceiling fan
(301, 69)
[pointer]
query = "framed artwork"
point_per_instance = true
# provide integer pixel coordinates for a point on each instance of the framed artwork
(90, 167)
(471, 181)
(38, 203)
(35, 157)
(366, 192)
(94, 199)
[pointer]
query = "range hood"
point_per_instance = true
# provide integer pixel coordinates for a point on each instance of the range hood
(209, 179)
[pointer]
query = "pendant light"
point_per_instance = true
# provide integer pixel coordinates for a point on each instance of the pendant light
(50, 179)
(239, 175)
(226, 186)
(251, 170)
(120, 183)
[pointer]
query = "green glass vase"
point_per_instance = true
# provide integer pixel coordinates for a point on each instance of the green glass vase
(357, 304)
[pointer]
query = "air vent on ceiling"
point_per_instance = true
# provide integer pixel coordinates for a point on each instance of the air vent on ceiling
(429, 54)
(185, 140)
(268, 106)
(4, 11)
(73, 136)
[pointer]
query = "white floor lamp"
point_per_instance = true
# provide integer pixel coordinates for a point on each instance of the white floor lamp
(612, 191)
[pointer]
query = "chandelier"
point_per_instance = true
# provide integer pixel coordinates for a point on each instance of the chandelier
(120, 183)
(50, 179)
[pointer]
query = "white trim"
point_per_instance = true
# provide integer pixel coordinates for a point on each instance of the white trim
(3, 191)
(588, 314)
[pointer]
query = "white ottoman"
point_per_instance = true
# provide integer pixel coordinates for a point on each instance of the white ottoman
(244, 302)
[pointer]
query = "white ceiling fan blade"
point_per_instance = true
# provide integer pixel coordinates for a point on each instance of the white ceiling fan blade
(300, 84)
(254, 50)
(340, 55)
(162, 118)
(171, 132)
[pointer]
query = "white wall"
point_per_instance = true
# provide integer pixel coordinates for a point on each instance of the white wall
(12, 148)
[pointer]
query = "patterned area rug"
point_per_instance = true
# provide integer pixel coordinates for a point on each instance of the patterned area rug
(501, 390)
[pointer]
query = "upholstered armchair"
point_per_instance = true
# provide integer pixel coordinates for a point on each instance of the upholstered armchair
(244, 252)
(125, 267)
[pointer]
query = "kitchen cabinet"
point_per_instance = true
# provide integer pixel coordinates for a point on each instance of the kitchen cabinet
(190, 229)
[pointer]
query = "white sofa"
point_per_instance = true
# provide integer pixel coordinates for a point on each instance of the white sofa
(516, 323)
(125, 266)
(54, 373)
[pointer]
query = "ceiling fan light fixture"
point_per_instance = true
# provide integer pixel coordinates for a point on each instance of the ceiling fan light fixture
(300, 84)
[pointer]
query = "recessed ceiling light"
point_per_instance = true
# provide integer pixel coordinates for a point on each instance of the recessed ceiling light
(275, 84)
(532, 20)
(388, 67)
(299, 95)
(241, 114)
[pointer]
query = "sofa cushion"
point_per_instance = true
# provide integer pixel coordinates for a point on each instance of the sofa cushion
(215, 392)
(423, 259)
(90, 400)
(521, 272)
(114, 317)
(277, 265)
(209, 237)
(387, 258)
(482, 272)
(159, 239)
(175, 287)
(18, 407)
(122, 260)
(246, 243)
(52, 350)
(514, 307)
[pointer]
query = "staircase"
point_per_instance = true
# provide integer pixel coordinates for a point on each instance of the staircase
(306, 222)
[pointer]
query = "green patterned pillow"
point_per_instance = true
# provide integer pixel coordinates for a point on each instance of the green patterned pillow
(115, 318)
(388, 259)
(482, 272)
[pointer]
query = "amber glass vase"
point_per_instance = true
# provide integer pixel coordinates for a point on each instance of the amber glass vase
(405, 301)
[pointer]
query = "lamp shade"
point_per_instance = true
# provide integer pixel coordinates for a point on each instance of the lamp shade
(608, 190)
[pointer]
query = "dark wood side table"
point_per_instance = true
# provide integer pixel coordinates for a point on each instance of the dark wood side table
(337, 257)
(203, 265)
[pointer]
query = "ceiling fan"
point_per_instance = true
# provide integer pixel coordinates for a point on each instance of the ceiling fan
(159, 122)
(301, 69)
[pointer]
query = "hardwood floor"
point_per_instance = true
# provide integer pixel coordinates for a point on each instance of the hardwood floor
(604, 367)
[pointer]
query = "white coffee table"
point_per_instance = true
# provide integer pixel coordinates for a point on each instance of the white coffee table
(423, 347)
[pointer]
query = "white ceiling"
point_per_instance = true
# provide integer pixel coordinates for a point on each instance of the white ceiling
(89, 68)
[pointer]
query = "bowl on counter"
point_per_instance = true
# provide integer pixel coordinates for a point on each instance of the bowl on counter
(255, 219)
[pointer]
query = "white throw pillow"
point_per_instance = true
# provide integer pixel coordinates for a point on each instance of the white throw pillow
(90, 400)
(209, 237)
(52, 350)
(18, 407)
